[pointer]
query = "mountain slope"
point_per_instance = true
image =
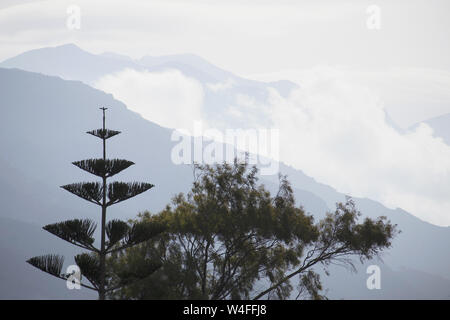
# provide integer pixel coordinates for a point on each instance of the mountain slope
(68, 62)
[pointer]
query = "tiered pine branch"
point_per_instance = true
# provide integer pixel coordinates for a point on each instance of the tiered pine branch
(103, 133)
(103, 168)
(78, 232)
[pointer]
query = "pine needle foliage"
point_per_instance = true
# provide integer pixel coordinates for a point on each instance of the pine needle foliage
(100, 167)
(104, 133)
(76, 231)
(50, 263)
(90, 267)
(90, 191)
(116, 230)
(120, 191)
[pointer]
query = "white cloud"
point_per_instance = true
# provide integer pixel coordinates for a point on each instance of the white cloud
(409, 95)
(336, 131)
(241, 36)
(167, 98)
(221, 86)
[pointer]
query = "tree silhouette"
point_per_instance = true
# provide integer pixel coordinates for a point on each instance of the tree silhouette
(80, 232)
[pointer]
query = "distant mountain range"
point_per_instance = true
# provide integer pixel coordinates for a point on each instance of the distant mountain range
(43, 120)
(64, 61)
(72, 63)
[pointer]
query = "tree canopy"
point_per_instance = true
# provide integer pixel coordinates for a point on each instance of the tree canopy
(229, 238)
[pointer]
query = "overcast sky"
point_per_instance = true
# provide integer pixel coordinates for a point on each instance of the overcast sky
(242, 36)
(263, 39)
(402, 68)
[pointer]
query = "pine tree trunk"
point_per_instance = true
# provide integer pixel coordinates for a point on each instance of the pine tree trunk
(101, 291)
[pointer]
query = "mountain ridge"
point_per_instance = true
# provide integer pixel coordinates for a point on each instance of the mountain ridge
(64, 52)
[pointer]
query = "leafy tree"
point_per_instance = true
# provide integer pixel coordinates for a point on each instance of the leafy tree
(230, 239)
(121, 235)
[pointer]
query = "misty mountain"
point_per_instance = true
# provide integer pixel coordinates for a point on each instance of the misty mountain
(65, 61)
(72, 63)
(221, 88)
(43, 122)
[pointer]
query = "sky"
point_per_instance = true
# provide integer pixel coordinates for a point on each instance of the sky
(245, 37)
(269, 40)
(364, 68)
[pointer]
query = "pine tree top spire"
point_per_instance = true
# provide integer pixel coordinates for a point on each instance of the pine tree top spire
(103, 109)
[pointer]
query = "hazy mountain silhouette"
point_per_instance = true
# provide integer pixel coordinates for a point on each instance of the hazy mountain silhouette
(68, 62)
(43, 122)
(72, 63)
